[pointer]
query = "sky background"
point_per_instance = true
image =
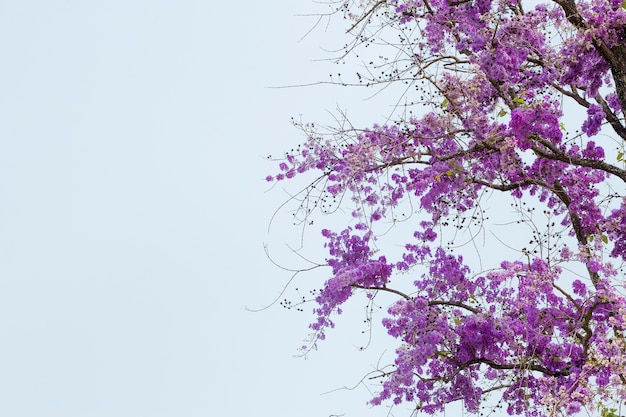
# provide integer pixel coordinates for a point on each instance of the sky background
(133, 211)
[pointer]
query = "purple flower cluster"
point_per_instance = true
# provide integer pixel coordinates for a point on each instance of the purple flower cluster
(353, 266)
(544, 328)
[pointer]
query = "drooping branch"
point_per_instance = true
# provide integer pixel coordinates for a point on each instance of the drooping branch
(385, 289)
(528, 364)
(430, 302)
(558, 155)
(454, 304)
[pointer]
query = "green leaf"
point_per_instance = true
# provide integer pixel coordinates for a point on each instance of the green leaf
(502, 113)
(605, 239)
(620, 156)
(520, 101)
(608, 412)
(445, 103)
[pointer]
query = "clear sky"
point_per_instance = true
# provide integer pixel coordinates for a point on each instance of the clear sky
(133, 211)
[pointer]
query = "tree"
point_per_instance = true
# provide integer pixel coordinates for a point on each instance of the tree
(494, 93)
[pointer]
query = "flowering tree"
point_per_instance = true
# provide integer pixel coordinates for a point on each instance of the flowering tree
(498, 89)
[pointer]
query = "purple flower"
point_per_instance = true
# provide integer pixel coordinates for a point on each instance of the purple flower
(595, 117)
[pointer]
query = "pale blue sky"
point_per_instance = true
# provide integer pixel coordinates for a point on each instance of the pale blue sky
(133, 211)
